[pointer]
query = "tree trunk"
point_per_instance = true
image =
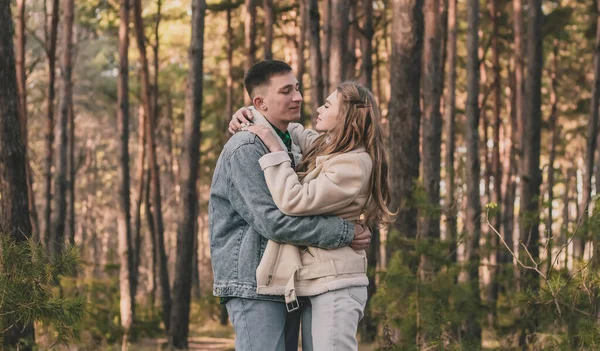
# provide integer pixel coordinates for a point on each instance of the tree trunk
(72, 174)
(301, 25)
(496, 170)
(153, 242)
(351, 59)
(326, 46)
(405, 118)
(470, 275)
(339, 42)
(60, 186)
(555, 129)
(14, 207)
(269, 19)
(429, 228)
(153, 166)
(368, 329)
(136, 223)
(21, 40)
(49, 145)
(316, 60)
(249, 39)
(190, 160)
(451, 209)
(531, 175)
(125, 245)
(366, 44)
(592, 135)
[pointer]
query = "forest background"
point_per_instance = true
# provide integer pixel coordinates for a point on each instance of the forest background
(113, 113)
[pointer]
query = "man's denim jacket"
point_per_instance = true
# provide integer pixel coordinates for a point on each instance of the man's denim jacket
(243, 217)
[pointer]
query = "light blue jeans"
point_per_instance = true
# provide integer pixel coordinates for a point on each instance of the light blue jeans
(267, 325)
(335, 317)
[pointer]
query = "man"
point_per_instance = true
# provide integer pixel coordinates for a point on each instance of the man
(243, 217)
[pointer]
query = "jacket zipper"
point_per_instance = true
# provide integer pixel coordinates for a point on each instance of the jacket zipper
(274, 265)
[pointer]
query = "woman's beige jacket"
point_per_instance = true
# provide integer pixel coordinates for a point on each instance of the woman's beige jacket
(339, 185)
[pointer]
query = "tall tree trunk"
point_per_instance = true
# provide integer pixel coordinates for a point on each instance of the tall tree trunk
(496, 169)
(301, 25)
(369, 324)
(351, 59)
(137, 222)
(555, 129)
(592, 135)
(429, 228)
(339, 42)
(49, 144)
(326, 46)
(429, 222)
(154, 281)
(21, 40)
(451, 209)
(531, 176)
(405, 118)
(72, 174)
(178, 333)
(153, 166)
(470, 275)
(125, 245)
(60, 186)
(269, 19)
(366, 44)
(316, 60)
(14, 207)
(249, 39)
(509, 172)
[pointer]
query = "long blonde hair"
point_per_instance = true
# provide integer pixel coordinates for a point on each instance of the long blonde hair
(359, 118)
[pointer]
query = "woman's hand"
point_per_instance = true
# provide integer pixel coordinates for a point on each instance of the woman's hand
(266, 134)
(241, 118)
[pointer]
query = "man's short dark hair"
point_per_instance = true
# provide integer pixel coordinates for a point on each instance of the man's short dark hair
(261, 73)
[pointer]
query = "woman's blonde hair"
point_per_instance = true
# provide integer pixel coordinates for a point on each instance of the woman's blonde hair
(358, 125)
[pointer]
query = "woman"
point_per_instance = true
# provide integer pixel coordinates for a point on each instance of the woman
(343, 172)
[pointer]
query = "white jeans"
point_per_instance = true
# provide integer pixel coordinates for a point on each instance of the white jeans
(335, 317)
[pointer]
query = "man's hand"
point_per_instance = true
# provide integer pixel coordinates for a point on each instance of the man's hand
(241, 118)
(362, 237)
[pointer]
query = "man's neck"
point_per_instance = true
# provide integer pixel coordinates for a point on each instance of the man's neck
(281, 125)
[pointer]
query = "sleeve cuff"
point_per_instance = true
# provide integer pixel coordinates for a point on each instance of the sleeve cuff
(347, 234)
(273, 159)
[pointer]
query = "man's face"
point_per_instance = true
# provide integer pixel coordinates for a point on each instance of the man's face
(281, 100)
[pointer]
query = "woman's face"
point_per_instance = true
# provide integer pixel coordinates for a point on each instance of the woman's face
(328, 113)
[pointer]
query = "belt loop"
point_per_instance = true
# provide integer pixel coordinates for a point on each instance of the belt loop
(334, 268)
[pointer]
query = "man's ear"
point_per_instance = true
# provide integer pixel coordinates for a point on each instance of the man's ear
(259, 102)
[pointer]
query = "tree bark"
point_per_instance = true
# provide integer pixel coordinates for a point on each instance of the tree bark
(49, 145)
(351, 59)
(316, 60)
(249, 39)
(429, 228)
(451, 209)
(21, 40)
(326, 46)
(125, 245)
(269, 19)
(72, 175)
(496, 169)
(366, 44)
(405, 118)
(555, 130)
(339, 42)
(470, 275)
(136, 223)
(531, 175)
(60, 186)
(300, 59)
(178, 333)
(592, 135)
(14, 204)
(153, 166)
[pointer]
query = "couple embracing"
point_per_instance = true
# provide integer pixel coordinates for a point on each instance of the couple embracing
(285, 205)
